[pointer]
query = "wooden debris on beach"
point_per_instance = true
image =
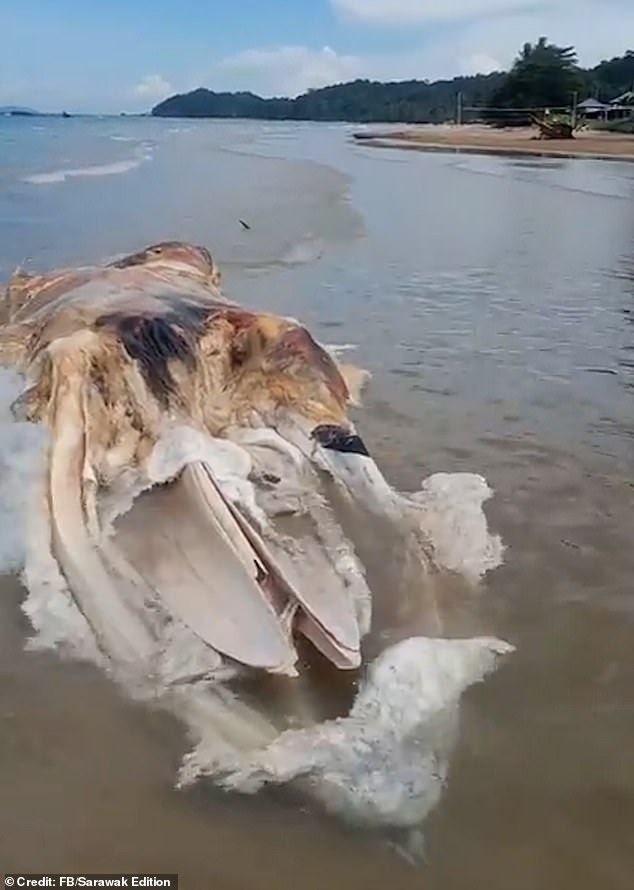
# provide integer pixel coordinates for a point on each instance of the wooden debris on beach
(554, 127)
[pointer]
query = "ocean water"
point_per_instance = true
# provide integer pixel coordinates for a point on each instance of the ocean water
(493, 301)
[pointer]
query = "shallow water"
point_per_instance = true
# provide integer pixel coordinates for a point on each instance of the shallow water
(493, 300)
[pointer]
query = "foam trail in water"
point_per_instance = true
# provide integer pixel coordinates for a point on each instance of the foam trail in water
(385, 764)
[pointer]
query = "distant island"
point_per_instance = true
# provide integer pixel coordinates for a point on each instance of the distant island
(543, 75)
(17, 111)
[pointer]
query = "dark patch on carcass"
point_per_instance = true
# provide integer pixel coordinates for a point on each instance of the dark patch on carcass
(134, 418)
(336, 438)
(189, 315)
(206, 255)
(137, 259)
(297, 344)
(98, 380)
(154, 341)
(239, 319)
(244, 334)
(156, 250)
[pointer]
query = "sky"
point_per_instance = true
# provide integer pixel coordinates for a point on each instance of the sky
(127, 55)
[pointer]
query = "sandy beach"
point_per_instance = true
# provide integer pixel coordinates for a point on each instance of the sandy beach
(479, 139)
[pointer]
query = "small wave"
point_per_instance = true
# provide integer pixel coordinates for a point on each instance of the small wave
(607, 371)
(339, 348)
(123, 139)
(114, 169)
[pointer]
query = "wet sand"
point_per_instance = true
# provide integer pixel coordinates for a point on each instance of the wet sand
(477, 139)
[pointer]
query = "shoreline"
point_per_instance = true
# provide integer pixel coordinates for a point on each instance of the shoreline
(513, 142)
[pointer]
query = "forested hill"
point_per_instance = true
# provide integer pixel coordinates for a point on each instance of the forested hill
(542, 74)
(361, 100)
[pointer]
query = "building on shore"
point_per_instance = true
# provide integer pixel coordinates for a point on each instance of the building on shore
(592, 110)
(617, 109)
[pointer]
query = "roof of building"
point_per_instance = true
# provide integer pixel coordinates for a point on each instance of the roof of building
(590, 104)
(624, 99)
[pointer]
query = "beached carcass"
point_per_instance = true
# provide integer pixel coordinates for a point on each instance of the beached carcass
(182, 528)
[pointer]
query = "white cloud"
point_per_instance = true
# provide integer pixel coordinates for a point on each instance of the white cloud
(599, 29)
(405, 12)
(595, 30)
(480, 63)
(290, 70)
(285, 70)
(152, 88)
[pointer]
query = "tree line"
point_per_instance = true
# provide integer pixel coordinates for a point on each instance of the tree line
(543, 75)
